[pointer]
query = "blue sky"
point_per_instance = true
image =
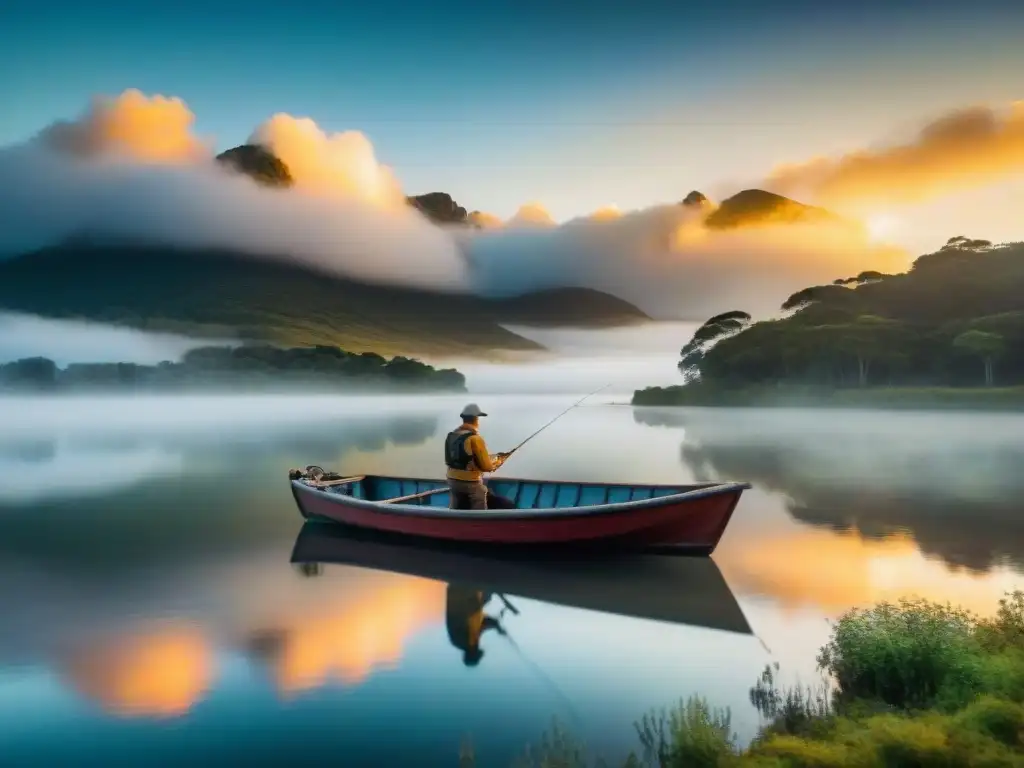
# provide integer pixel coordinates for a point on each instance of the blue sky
(577, 106)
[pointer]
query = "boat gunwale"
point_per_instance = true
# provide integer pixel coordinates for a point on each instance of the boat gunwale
(590, 510)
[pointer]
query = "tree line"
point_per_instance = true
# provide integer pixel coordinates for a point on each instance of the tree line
(954, 319)
(250, 366)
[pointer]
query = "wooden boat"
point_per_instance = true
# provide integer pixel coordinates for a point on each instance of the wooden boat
(678, 519)
(681, 590)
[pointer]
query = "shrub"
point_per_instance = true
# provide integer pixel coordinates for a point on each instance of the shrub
(998, 719)
(795, 752)
(1006, 630)
(691, 735)
(798, 711)
(911, 655)
(557, 749)
(1002, 674)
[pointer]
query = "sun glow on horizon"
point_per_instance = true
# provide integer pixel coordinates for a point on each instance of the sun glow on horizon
(881, 226)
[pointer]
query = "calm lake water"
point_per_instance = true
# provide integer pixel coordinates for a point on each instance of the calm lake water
(152, 613)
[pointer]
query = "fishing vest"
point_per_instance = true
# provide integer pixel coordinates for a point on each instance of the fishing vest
(455, 454)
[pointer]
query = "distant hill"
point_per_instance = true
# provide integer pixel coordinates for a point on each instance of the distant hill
(751, 206)
(259, 163)
(440, 208)
(268, 169)
(223, 294)
(755, 206)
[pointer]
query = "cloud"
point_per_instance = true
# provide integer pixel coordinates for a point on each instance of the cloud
(340, 164)
(133, 125)
(129, 167)
(607, 213)
(532, 215)
(964, 149)
(664, 260)
(132, 167)
(486, 220)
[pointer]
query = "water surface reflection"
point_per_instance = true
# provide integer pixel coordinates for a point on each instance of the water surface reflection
(162, 596)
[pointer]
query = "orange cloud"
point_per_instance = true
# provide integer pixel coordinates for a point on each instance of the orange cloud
(965, 149)
(338, 164)
(485, 220)
(532, 215)
(607, 213)
(147, 129)
(160, 673)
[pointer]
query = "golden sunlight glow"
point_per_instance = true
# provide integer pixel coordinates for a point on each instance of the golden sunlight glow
(161, 672)
(966, 148)
(881, 226)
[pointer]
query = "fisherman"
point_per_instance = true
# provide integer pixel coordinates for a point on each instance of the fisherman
(465, 454)
(466, 621)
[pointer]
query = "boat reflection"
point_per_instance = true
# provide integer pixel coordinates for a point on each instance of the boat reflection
(678, 590)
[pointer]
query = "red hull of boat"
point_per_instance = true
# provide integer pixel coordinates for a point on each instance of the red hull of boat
(691, 524)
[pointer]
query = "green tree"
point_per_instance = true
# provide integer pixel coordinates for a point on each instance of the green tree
(963, 243)
(987, 346)
(818, 293)
(869, 338)
(714, 329)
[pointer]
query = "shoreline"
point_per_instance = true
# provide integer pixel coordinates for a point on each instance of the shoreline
(980, 399)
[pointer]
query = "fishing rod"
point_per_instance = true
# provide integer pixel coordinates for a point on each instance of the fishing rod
(509, 453)
(508, 604)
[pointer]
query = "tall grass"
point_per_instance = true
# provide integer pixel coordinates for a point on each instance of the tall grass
(912, 684)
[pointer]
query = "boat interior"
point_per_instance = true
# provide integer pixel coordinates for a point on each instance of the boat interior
(527, 494)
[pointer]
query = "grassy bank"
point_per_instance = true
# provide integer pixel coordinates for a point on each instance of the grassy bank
(913, 684)
(895, 398)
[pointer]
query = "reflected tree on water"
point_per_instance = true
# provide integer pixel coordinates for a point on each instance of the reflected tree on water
(958, 498)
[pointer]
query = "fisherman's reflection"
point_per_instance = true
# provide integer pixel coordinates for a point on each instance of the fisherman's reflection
(466, 621)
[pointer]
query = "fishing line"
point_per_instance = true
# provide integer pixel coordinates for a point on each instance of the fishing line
(552, 685)
(535, 667)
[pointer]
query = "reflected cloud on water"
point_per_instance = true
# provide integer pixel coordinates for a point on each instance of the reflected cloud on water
(157, 672)
(343, 610)
(191, 592)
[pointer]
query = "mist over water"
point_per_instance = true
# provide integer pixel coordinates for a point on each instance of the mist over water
(77, 341)
(581, 361)
(145, 546)
(577, 360)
